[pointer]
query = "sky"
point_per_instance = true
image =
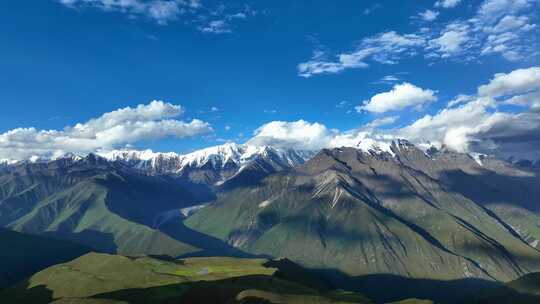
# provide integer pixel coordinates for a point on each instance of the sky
(179, 75)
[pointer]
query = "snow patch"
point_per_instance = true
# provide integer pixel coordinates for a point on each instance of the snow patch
(189, 211)
(337, 195)
(478, 157)
(267, 202)
(369, 145)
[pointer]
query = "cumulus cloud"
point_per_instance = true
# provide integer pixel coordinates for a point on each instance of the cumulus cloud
(124, 126)
(452, 40)
(515, 82)
(475, 123)
(400, 97)
(450, 126)
(305, 135)
(297, 134)
(492, 10)
(470, 123)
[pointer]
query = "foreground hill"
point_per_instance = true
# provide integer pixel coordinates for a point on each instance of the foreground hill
(103, 278)
(402, 212)
(23, 255)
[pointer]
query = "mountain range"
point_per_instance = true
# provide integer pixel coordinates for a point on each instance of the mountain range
(351, 213)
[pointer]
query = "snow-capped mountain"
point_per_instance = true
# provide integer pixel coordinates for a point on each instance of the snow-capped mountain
(224, 161)
(227, 156)
(213, 165)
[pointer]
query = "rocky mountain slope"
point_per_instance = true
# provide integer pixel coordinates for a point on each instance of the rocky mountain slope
(123, 203)
(406, 212)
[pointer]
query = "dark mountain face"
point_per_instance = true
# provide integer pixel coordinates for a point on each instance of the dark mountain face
(441, 215)
(22, 255)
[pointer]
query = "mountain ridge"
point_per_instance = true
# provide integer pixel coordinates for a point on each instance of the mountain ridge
(383, 206)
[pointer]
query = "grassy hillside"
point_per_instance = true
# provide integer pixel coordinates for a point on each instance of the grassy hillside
(23, 255)
(102, 278)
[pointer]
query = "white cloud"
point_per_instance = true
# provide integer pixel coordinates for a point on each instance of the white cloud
(509, 23)
(447, 3)
(319, 64)
(400, 97)
(515, 82)
(498, 27)
(221, 20)
(305, 135)
(383, 48)
(390, 78)
(468, 124)
(298, 134)
(452, 40)
(491, 10)
(120, 127)
(215, 19)
(449, 126)
(531, 99)
(428, 15)
(216, 27)
(460, 99)
(342, 104)
(475, 123)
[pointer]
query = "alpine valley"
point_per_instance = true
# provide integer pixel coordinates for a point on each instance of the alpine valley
(428, 223)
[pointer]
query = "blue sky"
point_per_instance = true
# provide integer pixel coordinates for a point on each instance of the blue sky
(238, 65)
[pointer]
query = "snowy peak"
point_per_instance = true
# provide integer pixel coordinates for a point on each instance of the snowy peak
(391, 147)
(372, 146)
(229, 155)
(217, 156)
